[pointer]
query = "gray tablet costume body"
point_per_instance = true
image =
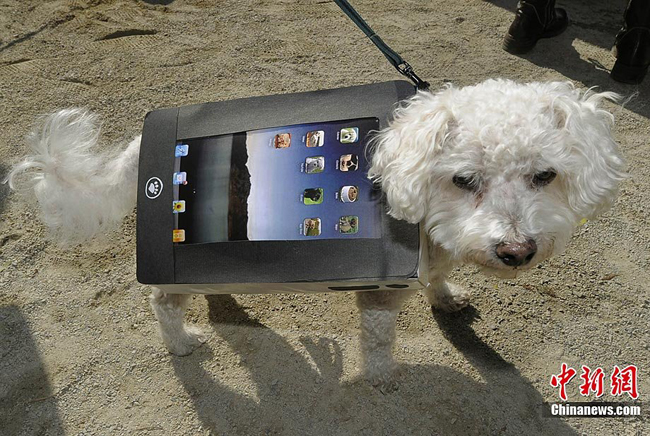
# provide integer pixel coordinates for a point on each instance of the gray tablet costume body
(396, 258)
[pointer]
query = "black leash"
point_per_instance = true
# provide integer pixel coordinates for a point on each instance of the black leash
(396, 60)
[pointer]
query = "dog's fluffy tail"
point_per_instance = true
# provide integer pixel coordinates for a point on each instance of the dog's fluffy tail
(80, 192)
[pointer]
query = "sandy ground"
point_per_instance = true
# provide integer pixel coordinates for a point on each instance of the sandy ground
(79, 352)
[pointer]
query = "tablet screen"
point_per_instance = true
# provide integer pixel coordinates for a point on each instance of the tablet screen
(299, 182)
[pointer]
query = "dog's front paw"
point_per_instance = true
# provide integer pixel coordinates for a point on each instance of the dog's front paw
(384, 381)
(382, 374)
(448, 296)
(185, 341)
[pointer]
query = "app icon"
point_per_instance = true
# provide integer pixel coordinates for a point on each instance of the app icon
(179, 206)
(312, 196)
(349, 194)
(349, 162)
(180, 178)
(181, 150)
(315, 164)
(349, 135)
(349, 224)
(178, 236)
(315, 138)
(311, 227)
(282, 140)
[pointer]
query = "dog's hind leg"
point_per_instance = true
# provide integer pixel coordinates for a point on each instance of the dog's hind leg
(379, 310)
(442, 294)
(179, 338)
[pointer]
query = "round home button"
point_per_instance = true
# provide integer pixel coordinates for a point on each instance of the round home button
(153, 188)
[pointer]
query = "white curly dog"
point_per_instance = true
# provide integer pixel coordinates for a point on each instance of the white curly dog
(500, 174)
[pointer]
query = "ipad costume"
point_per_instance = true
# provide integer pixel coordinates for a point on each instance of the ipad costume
(270, 194)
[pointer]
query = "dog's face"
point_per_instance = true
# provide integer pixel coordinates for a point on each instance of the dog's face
(500, 173)
(315, 164)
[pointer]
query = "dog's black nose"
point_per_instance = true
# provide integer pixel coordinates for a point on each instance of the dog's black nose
(516, 254)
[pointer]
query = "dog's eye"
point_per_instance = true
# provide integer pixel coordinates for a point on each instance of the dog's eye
(544, 178)
(466, 183)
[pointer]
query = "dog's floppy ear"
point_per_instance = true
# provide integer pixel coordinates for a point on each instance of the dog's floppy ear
(594, 165)
(404, 152)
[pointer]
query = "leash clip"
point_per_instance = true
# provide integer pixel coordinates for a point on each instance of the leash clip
(407, 70)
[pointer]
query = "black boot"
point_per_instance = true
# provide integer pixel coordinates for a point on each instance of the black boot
(535, 19)
(633, 44)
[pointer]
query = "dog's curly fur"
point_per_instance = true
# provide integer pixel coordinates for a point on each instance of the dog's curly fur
(499, 173)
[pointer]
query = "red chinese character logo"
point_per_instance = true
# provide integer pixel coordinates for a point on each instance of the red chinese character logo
(624, 380)
(592, 381)
(560, 380)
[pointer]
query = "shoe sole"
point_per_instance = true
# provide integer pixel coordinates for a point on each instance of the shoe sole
(632, 75)
(517, 46)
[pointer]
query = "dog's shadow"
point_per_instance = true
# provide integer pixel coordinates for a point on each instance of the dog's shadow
(298, 395)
